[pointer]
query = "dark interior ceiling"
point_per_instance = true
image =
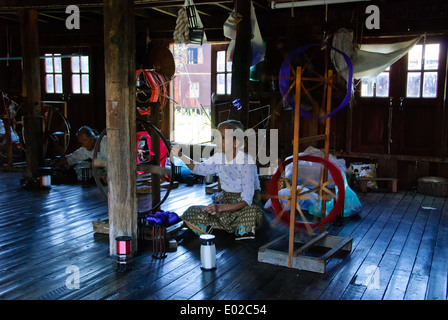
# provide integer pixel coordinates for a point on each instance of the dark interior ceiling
(52, 11)
(160, 15)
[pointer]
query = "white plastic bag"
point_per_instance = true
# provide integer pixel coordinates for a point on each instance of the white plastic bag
(311, 170)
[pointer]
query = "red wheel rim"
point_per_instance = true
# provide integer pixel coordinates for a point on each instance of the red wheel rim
(337, 207)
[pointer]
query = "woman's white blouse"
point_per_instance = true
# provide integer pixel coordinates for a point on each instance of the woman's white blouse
(238, 175)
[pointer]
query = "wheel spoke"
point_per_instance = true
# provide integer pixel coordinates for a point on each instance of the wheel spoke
(280, 215)
(305, 221)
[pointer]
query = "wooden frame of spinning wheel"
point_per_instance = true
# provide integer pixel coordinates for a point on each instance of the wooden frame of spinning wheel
(295, 258)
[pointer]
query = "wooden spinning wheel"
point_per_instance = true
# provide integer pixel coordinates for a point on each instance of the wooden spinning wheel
(316, 80)
(303, 193)
(323, 110)
(147, 168)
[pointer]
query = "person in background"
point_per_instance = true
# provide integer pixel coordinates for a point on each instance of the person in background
(17, 150)
(83, 156)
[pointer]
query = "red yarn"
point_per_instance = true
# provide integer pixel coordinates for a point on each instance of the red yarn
(337, 207)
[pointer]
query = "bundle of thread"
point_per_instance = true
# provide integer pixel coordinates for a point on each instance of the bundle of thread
(182, 31)
(163, 218)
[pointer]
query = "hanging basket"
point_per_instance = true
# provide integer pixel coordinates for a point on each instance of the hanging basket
(197, 33)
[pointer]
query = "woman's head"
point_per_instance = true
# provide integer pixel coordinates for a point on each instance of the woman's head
(86, 137)
(231, 133)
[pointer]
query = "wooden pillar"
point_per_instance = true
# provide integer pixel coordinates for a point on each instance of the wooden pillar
(295, 155)
(31, 92)
(155, 148)
(241, 62)
(328, 91)
(119, 61)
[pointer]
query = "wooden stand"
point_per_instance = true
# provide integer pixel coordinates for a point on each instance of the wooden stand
(303, 257)
(296, 258)
(102, 226)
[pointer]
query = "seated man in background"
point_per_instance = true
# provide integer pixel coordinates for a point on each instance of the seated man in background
(83, 156)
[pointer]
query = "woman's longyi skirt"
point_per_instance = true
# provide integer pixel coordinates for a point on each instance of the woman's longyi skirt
(240, 222)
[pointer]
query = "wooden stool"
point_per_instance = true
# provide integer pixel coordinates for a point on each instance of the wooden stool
(158, 242)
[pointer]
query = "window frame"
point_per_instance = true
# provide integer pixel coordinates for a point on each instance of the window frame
(214, 71)
(374, 89)
(53, 73)
(422, 71)
(80, 73)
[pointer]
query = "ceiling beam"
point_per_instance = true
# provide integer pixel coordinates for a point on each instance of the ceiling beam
(309, 3)
(164, 11)
(56, 4)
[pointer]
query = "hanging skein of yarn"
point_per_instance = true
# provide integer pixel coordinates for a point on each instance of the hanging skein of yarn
(163, 218)
(182, 31)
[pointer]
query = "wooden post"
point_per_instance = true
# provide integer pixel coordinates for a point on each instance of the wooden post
(31, 92)
(155, 148)
(241, 62)
(119, 61)
(295, 155)
(328, 77)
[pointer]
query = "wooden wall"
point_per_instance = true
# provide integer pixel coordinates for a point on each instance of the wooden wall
(283, 30)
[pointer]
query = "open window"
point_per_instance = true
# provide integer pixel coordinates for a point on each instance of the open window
(201, 72)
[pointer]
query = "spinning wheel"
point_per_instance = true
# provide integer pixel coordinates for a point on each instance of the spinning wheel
(315, 80)
(295, 258)
(283, 212)
(55, 130)
(148, 167)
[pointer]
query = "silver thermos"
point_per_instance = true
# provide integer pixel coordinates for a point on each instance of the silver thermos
(208, 252)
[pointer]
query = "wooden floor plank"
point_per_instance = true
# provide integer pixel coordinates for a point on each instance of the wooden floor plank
(42, 232)
(437, 287)
(361, 248)
(390, 257)
(398, 283)
(371, 274)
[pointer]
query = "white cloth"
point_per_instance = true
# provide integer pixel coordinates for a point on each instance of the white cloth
(256, 42)
(238, 175)
(368, 60)
(82, 153)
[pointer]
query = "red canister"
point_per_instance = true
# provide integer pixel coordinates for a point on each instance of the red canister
(124, 253)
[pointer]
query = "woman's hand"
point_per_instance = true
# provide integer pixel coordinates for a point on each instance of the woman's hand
(61, 162)
(211, 209)
(214, 208)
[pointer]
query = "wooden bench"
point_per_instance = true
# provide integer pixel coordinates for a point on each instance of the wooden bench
(391, 183)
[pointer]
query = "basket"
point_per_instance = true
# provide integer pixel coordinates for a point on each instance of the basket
(434, 186)
(196, 29)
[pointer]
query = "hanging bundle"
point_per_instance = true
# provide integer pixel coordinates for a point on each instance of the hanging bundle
(182, 31)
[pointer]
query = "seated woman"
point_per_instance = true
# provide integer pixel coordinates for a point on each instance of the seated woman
(80, 157)
(236, 211)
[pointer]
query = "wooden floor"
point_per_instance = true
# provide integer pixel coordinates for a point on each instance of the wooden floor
(399, 252)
